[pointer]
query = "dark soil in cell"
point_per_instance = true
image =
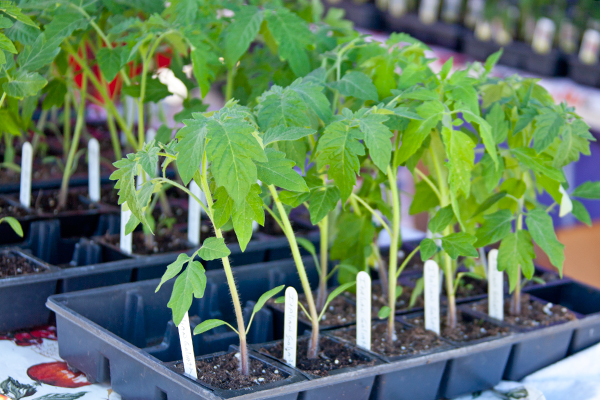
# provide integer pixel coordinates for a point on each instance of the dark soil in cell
(109, 195)
(46, 202)
(163, 242)
(179, 214)
(409, 340)
(534, 313)
(467, 329)
(469, 287)
(332, 355)
(271, 227)
(222, 372)
(9, 210)
(14, 265)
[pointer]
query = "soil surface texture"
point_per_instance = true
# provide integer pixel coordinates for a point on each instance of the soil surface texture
(332, 355)
(222, 372)
(467, 328)
(163, 242)
(46, 202)
(9, 210)
(13, 265)
(410, 340)
(534, 313)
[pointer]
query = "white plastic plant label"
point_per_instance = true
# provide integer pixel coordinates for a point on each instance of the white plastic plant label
(290, 326)
(495, 287)
(451, 10)
(543, 36)
(428, 11)
(125, 240)
(194, 214)
(26, 167)
(94, 169)
(363, 310)
(590, 47)
(431, 275)
(187, 347)
(397, 8)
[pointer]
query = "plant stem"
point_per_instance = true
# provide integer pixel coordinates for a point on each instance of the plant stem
(39, 128)
(67, 123)
(381, 267)
(9, 153)
(515, 301)
(230, 80)
(244, 364)
(2, 99)
(324, 230)
(114, 136)
(64, 187)
(393, 258)
(289, 233)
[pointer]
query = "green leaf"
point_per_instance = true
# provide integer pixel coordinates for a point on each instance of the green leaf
(155, 90)
(441, 219)
(292, 36)
(24, 84)
(491, 173)
(428, 249)
(498, 123)
(495, 227)
(280, 172)
(202, 61)
(356, 84)
(581, 213)
(485, 131)
(283, 133)
(339, 147)
(245, 213)
(190, 147)
(231, 150)
(125, 175)
(321, 202)
(459, 244)
(213, 248)
(417, 131)
(209, 324)
(148, 159)
(384, 312)
(55, 92)
(14, 224)
(539, 224)
(282, 107)
(109, 61)
(424, 200)
(490, 201)
(240, 33)
(336, 292)
(491, 61)
(516, 249)
(265, 297)
(530, 159)
(173, 269)
(417, 292)
(314, 98)
(293, 199)
(307, 245)
(547, 128)
(377, 138)
(191, 283)
(6, 44)
(461, 155)
(587, 190)
(223, 207)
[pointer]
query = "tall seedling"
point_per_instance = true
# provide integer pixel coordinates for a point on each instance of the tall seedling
(539, 139)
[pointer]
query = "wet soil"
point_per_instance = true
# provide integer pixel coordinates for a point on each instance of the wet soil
(467, 328)
(332, 355)
(163, 242)
(13, 265)
(409, 340)
(222, 372)
(46, 202)
(9, 210)
(534, 314)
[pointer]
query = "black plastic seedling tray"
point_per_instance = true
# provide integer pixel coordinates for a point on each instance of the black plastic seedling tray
(364, 15)
(112, 334)
(584, 74)
(438, 33)
(514, 54)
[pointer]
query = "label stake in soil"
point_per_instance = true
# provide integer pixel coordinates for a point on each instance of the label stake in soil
(194, 212)
(431, 273)
(495, 287)
(187, 347)
(363, 310)
(94, 169)
(125, 240)
(290, 327)
(26, 161)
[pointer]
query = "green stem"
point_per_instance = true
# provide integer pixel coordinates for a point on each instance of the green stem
(324, 244)
(515, 303)
(114, 136)
(244, 364)
(372, 211)
(393, 258)
(9, 153)
(289, 233)
(2, 99)
(230, 80)
(64, 187)
(67, 123)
